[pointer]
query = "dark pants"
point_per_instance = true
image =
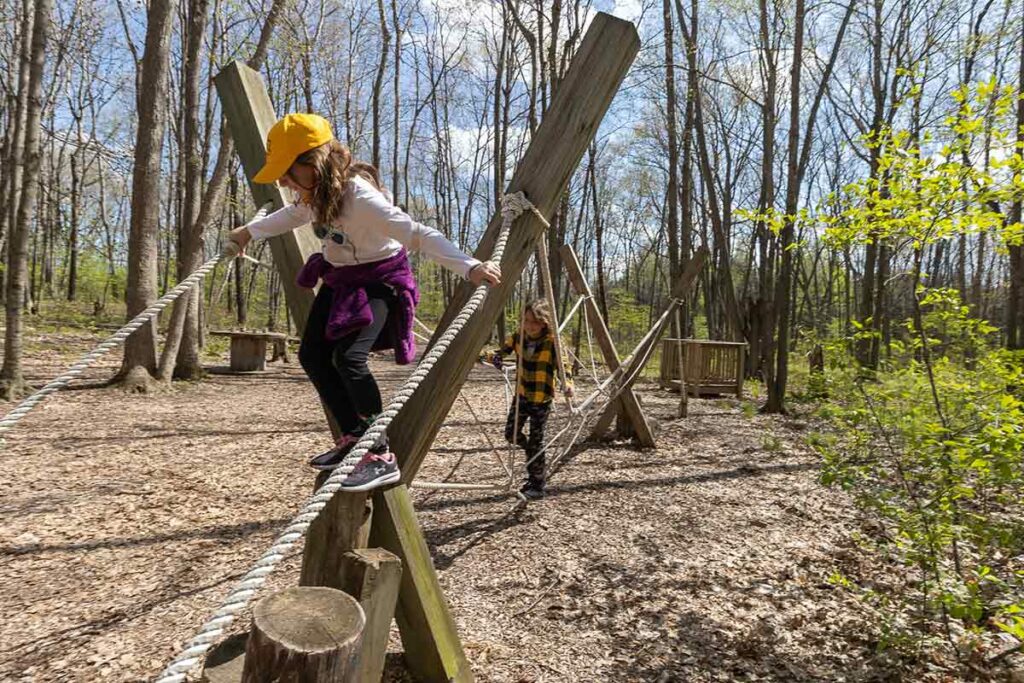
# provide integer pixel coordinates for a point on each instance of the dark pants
(338, 369)
(537, 414)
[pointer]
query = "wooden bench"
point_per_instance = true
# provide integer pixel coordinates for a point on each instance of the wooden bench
(710, 367)
(249, 349)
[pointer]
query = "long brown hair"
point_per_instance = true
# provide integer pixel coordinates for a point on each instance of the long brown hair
(333, 169)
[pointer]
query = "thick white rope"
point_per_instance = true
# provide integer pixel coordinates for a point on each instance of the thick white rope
(116, 339)
(570, 314)
(241, 595)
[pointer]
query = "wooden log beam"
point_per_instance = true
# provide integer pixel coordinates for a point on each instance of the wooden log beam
(250, 115)
(627, 400)
(371, 576)
(582, 98)
(343, 525)
(433, 651)
(304, 634)
(632, 372)
(568, 127)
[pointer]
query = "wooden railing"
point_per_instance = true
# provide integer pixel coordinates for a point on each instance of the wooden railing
(711, 367)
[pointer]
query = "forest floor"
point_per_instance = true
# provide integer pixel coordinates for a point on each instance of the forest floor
(124, 519)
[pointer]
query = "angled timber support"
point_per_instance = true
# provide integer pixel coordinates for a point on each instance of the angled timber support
(636, 365)
(627, 402)
(583, 97)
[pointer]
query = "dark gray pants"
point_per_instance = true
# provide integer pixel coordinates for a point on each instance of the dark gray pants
(537, 414)
(338, 369)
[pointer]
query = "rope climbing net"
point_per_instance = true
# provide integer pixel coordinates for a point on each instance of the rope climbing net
(113, 341)
(513, 205)
(581, 415)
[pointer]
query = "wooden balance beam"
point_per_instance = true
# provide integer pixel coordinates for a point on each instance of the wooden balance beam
(433, 651)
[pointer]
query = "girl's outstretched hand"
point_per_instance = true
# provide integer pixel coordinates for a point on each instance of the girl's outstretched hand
(485, 272)
(240, 236)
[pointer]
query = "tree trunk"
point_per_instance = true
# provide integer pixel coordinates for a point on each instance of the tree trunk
(76, 184)
(396, 94)
(672, 214)
(140, 349)
(16, 158)
(777, 389)
(181, 347)
(686, 179)
(762, 361)
(186, 334)
(11, 380)
(1015, 306)
(378, 83)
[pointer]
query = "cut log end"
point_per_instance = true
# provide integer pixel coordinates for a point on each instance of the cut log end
(305, 633)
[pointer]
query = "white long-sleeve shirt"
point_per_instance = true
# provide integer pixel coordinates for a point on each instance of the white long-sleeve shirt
(374, 229)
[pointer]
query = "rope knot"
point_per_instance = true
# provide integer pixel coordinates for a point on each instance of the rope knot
(513, 204)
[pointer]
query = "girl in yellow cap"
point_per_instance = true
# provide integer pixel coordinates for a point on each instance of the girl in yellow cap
(368, 294)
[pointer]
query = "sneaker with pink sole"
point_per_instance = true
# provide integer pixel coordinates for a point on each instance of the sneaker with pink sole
(333, 458)
(373, 471)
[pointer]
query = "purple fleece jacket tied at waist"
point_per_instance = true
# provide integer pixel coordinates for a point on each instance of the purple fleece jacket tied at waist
(350, 307)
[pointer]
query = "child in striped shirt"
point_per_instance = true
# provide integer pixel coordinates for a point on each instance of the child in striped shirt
(535, 390)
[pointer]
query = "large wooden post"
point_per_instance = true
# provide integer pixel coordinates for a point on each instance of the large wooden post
(544, 172)
(579, 104)
(627, 400)
(344, 524)
(250, 115)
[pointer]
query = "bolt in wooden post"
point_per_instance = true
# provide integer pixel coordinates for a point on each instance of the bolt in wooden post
(307, 634)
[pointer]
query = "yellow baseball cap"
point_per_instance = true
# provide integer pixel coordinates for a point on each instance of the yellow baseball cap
(287, 139)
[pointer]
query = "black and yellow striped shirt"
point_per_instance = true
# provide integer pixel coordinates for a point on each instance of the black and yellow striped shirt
(539, 367)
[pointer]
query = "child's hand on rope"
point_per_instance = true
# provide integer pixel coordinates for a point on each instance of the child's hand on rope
(237, 241)
(484, 272)
(568, 390)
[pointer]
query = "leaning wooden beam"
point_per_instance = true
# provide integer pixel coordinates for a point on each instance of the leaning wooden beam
(344, 524)
(579, 104)
(627, 400)
(635, 367)
(433, 651)
(576, 110)
(250, 115)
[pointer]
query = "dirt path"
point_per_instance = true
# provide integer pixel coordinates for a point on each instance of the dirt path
(124, 519)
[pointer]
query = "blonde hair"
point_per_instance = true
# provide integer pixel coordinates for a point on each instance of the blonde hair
(333, 169)
(541, 311)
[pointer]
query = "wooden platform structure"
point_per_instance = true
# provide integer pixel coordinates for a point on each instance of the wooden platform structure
(433, 651)
(711, 367)
(249, 349)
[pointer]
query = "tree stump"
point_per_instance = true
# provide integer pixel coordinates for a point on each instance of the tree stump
(305, 634)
